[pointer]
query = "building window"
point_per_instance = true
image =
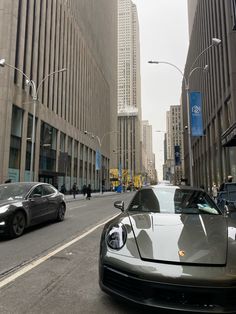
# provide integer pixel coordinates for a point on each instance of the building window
(69, 150)
(75, 158)
(48, 142)
(29, 141)
(15, 145)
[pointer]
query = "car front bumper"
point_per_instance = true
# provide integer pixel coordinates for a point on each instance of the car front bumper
(131, 279)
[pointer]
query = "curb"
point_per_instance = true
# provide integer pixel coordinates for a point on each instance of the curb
(80, 198)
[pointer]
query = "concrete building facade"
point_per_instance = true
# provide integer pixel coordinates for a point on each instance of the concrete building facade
(148, 157)
(41, 37)
(192, 6)
(129, 99)
(214, 153)
(173, 168)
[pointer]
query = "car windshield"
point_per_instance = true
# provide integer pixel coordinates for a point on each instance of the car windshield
(174, 200)
(13, 191)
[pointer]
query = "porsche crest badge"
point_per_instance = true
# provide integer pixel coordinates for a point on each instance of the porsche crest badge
(181, 253)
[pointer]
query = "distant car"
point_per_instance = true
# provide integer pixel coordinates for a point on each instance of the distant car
(173, 249)
(26, 204)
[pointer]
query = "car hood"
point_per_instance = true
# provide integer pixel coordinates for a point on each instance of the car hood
(191, 239)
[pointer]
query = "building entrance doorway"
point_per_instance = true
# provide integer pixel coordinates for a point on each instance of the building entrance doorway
(47, 179)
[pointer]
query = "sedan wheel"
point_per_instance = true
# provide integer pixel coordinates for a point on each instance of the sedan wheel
(18, 224)
(61, 212)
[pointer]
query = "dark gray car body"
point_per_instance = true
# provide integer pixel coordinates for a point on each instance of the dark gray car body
(179, 261)
(35, 208)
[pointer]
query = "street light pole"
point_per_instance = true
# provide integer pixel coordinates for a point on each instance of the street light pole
(100, 140)
(35, 90)
(215, 42)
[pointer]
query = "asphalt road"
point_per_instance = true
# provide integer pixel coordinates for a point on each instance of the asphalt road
(53, 268)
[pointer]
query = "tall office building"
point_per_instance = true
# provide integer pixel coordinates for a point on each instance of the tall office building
(174, 145)
(192, 6)
(214, 153)
(148, 157)
(129, 100)
(40, 37)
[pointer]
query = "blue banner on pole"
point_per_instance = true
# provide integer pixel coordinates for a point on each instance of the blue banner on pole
(98, 160)
(195, 100)
(177, 155)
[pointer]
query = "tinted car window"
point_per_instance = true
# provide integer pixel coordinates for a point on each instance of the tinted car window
(145, 200)
(178, 201)
(47, 190)
(37, 190)
(183, 201)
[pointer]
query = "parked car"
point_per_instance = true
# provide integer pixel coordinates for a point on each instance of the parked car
(172, 248)
(26, 204)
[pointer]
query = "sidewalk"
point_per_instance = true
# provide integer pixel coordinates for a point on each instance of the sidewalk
(80, 197)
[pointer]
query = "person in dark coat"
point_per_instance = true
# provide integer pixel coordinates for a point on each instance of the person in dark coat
(88, 192)
(229, 179)
(84, 189)
(74, 189)
(63, 189)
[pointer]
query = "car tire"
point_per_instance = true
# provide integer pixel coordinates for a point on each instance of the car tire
(61, 212)
(18, 224)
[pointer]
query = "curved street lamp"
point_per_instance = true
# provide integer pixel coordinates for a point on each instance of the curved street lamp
(35, 90)
(100, 140)
(215, 42)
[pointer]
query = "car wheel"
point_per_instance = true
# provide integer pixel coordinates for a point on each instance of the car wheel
(17, 224)
(61, 212)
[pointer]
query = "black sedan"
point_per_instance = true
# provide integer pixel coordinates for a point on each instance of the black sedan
(172, 248)
(26, 204)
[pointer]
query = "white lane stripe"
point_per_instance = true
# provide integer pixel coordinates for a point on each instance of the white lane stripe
(71, 208)
(35, 263)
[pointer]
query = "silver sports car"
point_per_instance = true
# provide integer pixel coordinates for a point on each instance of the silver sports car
(172, 248)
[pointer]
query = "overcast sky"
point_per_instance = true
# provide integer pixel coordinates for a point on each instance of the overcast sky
(163, 37)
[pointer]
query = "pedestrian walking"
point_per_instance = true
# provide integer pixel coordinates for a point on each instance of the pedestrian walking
(214, 191)
(84, 189)
(63, 189)
(88, 191)
(229, 179)
(74, 189)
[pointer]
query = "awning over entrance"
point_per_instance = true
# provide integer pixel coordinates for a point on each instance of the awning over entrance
(228, 138)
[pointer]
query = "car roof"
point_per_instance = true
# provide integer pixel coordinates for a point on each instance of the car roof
(27, 184)
(172, 187)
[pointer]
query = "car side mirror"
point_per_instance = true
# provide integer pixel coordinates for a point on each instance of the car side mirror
(120, 205)
(230, 207)
(226, 209)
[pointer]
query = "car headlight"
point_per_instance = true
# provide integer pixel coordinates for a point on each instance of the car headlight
(4, 208)
(116, 236)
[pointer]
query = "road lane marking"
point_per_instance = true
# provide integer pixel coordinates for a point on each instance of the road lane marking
(71, 208)
(42, 259)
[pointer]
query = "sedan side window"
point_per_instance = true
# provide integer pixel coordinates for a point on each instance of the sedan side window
(38, 190)
(48, 190)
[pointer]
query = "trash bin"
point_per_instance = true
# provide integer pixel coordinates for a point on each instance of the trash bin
(119, 189)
